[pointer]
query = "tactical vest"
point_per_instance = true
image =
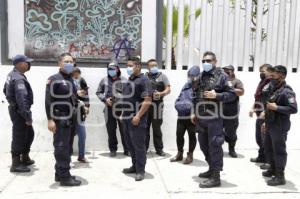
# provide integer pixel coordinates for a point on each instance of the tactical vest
(155, 84)
(206, 85)
(273, 97)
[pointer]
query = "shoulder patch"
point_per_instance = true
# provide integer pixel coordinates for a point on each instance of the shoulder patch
(292, 100)
(21, 86)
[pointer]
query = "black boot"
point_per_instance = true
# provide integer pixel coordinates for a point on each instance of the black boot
(17, 167)
(70, 182)
(269, 173)
(178, 157)
(279, 178)
(232, 152)
(25, 160)
(259, 159)
(129, 170)
(213, 181)
(265, 166)
(206, 174)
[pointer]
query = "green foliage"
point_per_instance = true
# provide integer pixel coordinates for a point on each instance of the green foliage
(186, 21)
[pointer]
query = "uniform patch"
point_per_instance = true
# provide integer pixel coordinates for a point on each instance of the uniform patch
(48, 81)
(292, 100)
(21, 86)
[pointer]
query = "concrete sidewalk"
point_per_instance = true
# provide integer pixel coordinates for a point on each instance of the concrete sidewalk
(102, 178)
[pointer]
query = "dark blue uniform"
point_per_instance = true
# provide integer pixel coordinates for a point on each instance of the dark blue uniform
(105, 91)
(60, 104)
(210, 128)
(231, 113)
(278, 124)
(134, 91)
(19, 95)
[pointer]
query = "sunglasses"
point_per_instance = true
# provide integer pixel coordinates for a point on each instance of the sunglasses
(206, 61)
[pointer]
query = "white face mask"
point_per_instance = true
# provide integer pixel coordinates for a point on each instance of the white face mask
(207, 67)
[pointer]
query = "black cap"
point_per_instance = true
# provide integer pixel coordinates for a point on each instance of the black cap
(280, 69)
(230, 67)
(21, 58)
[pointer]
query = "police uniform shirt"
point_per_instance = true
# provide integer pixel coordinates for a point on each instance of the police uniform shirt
(60, 95)
(285, 99)
(134, 92)
(232, 108)
(18, 93)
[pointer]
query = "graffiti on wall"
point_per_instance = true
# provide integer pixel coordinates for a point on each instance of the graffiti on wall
(89, 29)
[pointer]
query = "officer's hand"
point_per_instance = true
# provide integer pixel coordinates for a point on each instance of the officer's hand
(210, 94)
(272, 106)
(263, 128)
(193, 119)
(29, 123)
(135, 120)
(51, 126)
(251, 113)
(156, 95)
(262, 115)
(109, 102)
(81, 93)
(86, 110)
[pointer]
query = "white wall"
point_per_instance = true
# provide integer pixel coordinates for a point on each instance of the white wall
(96, 133)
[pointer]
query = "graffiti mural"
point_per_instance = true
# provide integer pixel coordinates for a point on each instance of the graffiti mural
(89, 29)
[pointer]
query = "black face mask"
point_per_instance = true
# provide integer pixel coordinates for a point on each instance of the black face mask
(29, 66)
(275, 82)
(262, 76)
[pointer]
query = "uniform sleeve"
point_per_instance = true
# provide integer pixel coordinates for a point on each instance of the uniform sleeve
(226, 93)
(165, 80)
(290, 106)
(146, 88)
(49, 98)
(22, 100)
(101, 91)
(239, 84)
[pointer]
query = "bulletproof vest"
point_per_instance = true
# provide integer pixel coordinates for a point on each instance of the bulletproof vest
(206, 83)
(273, 96)
(156, 85)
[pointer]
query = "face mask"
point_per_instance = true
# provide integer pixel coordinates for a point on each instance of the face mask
(68, 68)
(129, 71)
(154, 70)
(112, 73)
(275, 82)
(262, 76)
(207, 67)
(29, 66)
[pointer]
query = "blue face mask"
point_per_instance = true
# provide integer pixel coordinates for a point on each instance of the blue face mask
(112, 73)
(68, 68)
(154, 70)
(207, 67)
(129, 71)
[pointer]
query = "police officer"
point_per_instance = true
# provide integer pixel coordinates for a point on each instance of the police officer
(211, 91)
(108, 89)
(258, 109)
(60, 104)
(160, 87)
(136, 102)
(281, 104)
(19, 95)
(231, 111)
